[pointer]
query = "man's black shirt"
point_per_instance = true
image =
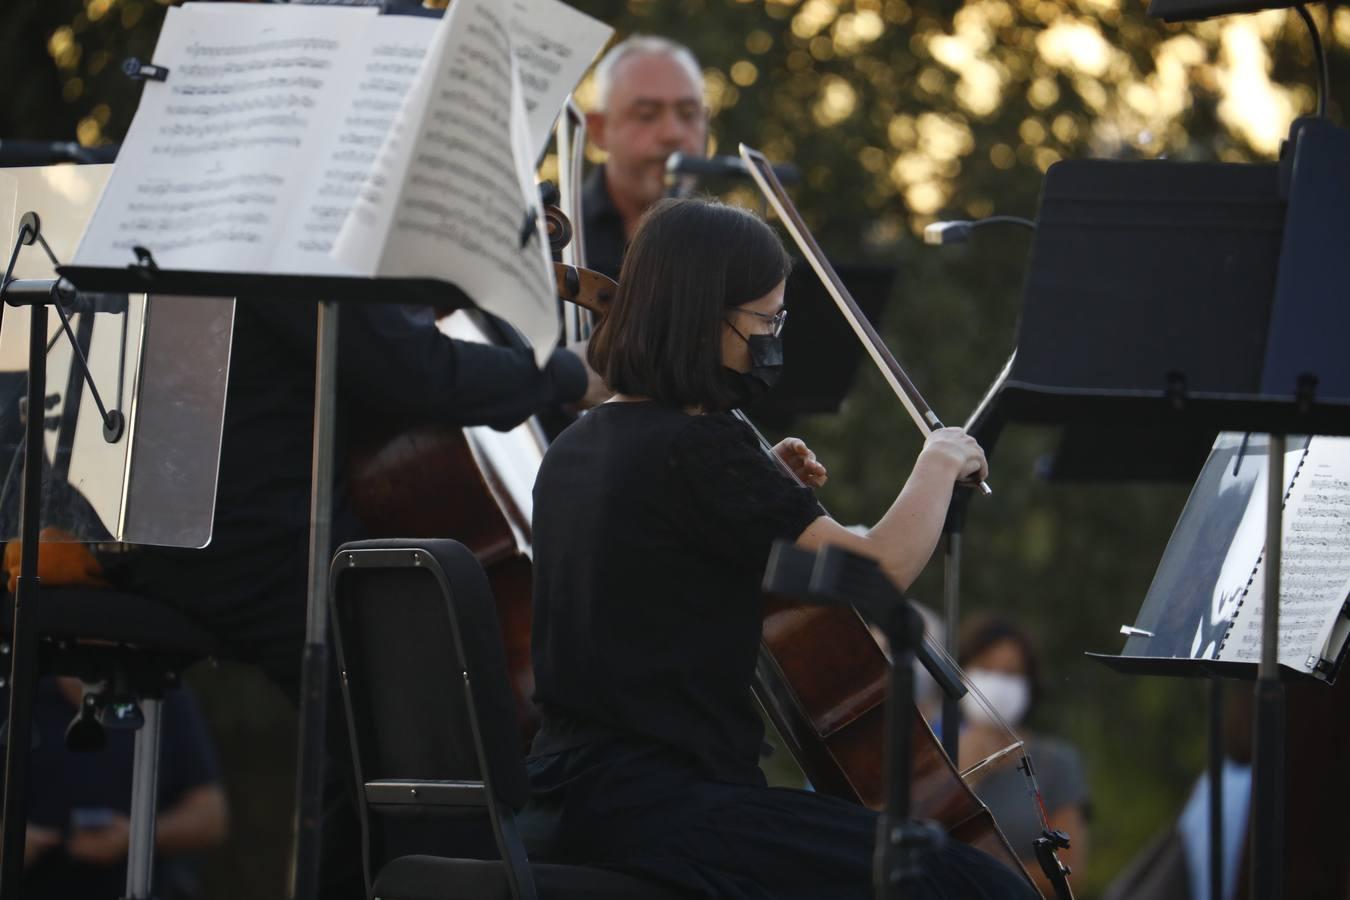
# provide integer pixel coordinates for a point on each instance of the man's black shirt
(605, 238)
(394, 367)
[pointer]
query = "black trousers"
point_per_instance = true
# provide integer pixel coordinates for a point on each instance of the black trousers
(252, 597)
(649, 810)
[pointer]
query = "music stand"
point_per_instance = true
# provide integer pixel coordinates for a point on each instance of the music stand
(1107, 453)
(103, 458)
(1181, 295)
(328, 292)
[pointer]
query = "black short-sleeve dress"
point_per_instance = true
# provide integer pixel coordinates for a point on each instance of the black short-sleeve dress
(652, 528)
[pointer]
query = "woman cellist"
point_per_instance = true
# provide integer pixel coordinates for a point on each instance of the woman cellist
(653, 519)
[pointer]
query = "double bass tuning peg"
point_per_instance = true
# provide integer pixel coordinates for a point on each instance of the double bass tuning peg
(559, 226)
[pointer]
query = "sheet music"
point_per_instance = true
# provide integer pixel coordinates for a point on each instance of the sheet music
(281, 129)
(553, 45)
(389, 65)
(1315, 568)
(459, 210)
(210, 155)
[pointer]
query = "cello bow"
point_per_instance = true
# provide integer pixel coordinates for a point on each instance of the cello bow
(918, 409)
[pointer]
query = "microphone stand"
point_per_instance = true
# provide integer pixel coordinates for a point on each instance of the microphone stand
(985, 426)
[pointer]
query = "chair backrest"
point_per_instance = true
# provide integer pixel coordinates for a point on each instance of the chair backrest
(435, 744)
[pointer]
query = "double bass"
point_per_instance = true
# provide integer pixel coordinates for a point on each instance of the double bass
(474, 484)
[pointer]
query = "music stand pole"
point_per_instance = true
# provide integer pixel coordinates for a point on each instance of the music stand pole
(1268, 738)
(960, 232)
(23, 636)
(308, 825)
(984, 424)
(1216, 767)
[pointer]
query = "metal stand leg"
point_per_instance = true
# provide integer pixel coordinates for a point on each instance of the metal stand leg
(951, 595)
(1216, 767)
(902, 841)
(1268, 742)
(314, 674)
(23, 671)
(951, 602)
(144, 797)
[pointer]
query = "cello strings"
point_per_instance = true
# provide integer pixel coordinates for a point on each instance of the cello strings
(1016, 743)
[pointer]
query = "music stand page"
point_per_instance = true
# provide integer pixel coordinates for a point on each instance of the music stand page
(1209, 560)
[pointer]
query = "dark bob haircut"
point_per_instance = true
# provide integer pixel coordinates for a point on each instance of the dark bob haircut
(689, 262)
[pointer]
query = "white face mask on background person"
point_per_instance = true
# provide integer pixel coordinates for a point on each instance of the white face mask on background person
(1010, 695)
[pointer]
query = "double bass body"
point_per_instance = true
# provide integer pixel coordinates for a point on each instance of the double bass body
(470, 484)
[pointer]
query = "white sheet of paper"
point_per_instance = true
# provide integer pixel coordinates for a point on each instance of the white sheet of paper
(554, 45)
(283, 128)
(390, 60)
(1315, 568)
(462, 144)
(205, 178)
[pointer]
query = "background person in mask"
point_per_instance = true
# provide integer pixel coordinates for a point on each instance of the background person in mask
(1000, 659)
(653, 519)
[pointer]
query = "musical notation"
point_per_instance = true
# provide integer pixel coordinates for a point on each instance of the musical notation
(212, 88)
(470, 196)
(1314, 565)
(284, 132)
(223, 136)
(197, 50)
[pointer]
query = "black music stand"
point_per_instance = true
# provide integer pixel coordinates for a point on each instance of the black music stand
(143, 275)
(102, 483)
(1183, 296)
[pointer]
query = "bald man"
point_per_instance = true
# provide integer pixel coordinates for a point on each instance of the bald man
(649, 104)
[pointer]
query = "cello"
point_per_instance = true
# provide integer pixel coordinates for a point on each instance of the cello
(832, 724)
(822, 681)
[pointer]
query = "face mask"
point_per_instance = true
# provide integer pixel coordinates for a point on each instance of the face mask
(1010, 695)
(766, 368)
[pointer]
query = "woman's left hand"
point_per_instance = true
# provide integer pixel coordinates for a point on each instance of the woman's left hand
(798, 457)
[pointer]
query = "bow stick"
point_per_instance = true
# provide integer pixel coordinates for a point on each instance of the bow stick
(909, 395)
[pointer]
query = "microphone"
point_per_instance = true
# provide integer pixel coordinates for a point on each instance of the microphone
(957, 231)
(723, 167)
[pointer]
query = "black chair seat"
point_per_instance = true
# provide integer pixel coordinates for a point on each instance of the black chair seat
(92, 614)
(438, 878)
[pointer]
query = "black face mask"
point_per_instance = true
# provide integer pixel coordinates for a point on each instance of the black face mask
(766, 368)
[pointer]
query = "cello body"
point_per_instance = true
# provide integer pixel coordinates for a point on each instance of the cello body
(821, 680)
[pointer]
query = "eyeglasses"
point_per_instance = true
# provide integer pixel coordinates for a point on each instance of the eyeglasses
(776, 320)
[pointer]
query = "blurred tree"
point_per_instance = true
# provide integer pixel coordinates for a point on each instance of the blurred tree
(899, 112)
